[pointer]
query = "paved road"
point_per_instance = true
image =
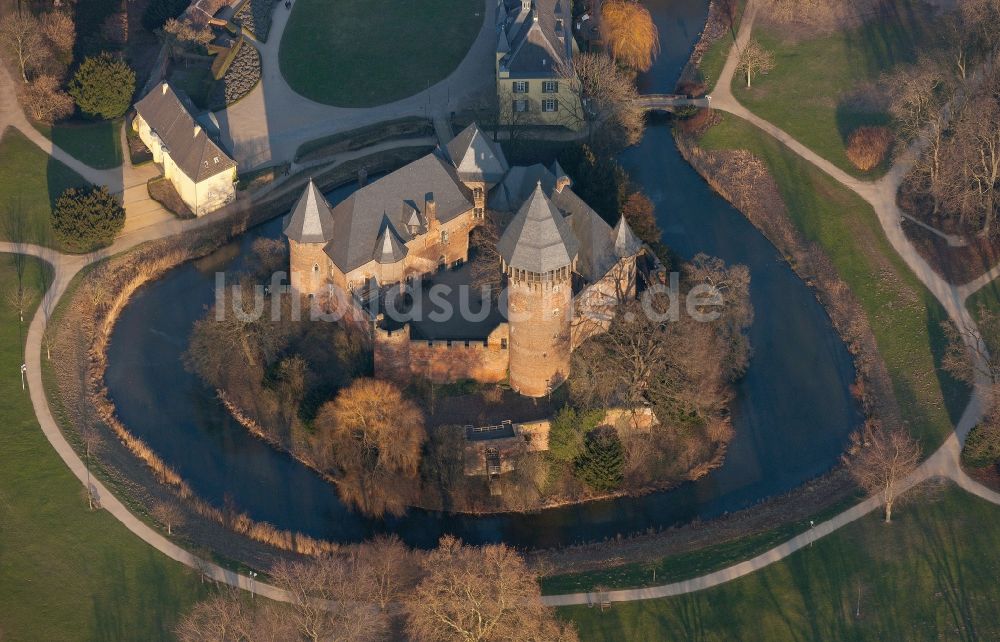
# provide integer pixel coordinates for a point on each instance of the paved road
(881, 194)
(270, 123)
(944, 463)
(140, 210)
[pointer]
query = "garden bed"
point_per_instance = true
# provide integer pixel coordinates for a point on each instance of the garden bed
(239, 79)
(162, 191)
(255, 17)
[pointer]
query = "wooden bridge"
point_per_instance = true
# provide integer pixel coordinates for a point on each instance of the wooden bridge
(670, 102)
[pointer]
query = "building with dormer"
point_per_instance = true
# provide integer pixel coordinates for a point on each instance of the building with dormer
(565, 268)
(534, 54)
(203, 175)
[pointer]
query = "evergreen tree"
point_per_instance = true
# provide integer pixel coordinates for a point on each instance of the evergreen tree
(601, 464)
(103, 86)
(568, 430)
(86, 219)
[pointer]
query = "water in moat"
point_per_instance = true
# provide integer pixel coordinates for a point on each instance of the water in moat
(792, 412)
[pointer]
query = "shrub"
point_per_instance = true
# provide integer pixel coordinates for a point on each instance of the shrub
(103, 86)
(601, 464)
(159, 11)
(982, 446)
(86, 219)
(44, 101)
(868, 146)
(568, 430)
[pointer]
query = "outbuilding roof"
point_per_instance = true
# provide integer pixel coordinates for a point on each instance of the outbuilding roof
(170, 118)
(476, 157)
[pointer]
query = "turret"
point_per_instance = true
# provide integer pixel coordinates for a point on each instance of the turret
(538, 252)
(309, 227)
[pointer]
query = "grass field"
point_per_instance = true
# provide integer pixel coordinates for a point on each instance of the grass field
(67, 573)
(930, 575)
(817, 92)
(904, 316)
(333, 52)
(97, 144)
(31, 180)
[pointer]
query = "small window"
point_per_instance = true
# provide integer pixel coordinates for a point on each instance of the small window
(503, 344)
(550, 105)
(444, 236)
(520, 106)
(550, 87)
(520, 86)
(315, 267)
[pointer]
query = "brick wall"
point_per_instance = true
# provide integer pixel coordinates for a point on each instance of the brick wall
(400, 358)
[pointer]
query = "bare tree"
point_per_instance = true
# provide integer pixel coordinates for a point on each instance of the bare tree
(220, 618)
(325, 604)
(45, 101)
(971, 349)
(167, 513)
(386, 569)
(187, 33)
(881, 459)
(603, 97)
(19, 298)
(480, 594)
(59, 30)
(374, 435)
(21, 34)
(755, 60)
(485, 268)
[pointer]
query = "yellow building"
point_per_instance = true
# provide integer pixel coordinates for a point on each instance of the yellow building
(203, 175)
(534, 55)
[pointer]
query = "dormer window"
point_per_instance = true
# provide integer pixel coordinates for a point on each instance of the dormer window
(559, 24)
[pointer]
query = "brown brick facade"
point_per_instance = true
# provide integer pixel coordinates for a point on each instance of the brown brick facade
(539, 316)
(400, 358)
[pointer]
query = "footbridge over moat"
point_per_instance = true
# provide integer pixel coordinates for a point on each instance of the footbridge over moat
(671, 102)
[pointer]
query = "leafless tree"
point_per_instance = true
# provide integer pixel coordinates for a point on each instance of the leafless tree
(19, 298)
(45, 101)
(167, 513)
(880, 459)
(480, 594)
(387, 570)
(220, 618)
(972, 350)
(485, 268)
(602, 97)
(970, 173)
(187, 33)
(21, 35)
(325, 604)
(755, 60)
(60, 31)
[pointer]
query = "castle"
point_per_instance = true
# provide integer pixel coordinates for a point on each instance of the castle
(564, 266)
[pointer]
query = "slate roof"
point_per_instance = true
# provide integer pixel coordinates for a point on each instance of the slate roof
(476, 157)
(359, 219)
(389, 247)
(535, 44)
(626, 242)
(538, 239)
(169, 116)
(311, 220)
(595, 236)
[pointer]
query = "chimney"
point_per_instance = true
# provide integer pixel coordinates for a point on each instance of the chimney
(430, 210)
(163, 87)
(197, 130)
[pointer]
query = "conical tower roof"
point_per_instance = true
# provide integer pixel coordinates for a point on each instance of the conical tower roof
(389, 247)
(625, 240)
(311, 220)
(538, 239)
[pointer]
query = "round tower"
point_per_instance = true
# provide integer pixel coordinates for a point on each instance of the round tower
(539, 251)
(308, 227)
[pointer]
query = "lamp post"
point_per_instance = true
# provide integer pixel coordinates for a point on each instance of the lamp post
(253, 576)
(24, 371)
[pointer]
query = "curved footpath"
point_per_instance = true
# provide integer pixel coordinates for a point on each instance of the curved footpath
(880, 194)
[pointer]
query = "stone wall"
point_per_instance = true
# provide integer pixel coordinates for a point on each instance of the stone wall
(594, 307)
(400, 358)
(539, 335)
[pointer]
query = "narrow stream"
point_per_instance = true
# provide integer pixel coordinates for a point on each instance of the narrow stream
(792, 413)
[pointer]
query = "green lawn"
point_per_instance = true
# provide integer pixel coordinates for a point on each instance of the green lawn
(67, 573)
(97, 144)
(815, 91)
(715, 56)
(905, 317)
(930, 575)
(361, 53)
(30, 182)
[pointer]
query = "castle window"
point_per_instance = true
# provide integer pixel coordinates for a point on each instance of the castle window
(550, 87)
(550, 105)
(478, 212)
(444, 236)
(315, 267)
(503, 344)
(520, 86)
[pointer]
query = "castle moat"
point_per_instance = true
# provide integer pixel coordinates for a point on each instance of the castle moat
(792, 412)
